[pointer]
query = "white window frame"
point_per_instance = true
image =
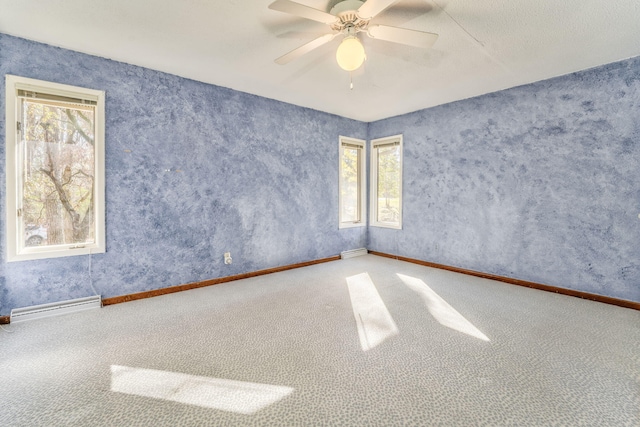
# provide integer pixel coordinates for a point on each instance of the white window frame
(373, 182)
(16, 249)
(362, 176)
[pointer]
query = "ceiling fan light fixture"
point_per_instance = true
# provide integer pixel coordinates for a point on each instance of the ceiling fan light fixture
(350, 54)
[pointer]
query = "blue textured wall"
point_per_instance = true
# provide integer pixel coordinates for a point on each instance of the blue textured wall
(258, 178)
(539, 182)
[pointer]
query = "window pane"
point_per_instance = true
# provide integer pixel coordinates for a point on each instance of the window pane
(350, 184)
(388, 184)
(58, 159)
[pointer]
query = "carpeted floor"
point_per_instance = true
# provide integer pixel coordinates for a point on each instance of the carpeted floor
(366, 341)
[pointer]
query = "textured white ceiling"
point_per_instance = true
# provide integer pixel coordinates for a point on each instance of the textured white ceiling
(484, 46)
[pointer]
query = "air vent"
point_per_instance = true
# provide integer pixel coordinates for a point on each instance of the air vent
(55, 309)
(352, 253)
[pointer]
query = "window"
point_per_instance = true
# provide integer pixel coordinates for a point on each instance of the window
(352, 183)
(55, 170)
(386, 182)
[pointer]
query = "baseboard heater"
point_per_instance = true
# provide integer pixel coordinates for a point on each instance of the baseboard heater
(352, 253)
(55, 308)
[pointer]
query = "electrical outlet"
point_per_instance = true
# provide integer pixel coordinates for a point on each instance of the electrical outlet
(227, 258)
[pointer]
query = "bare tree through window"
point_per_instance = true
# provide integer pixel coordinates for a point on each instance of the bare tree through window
(58, 177)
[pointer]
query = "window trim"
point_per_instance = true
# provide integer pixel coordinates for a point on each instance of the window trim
(373, 182)
(362, 197)
(12, 154)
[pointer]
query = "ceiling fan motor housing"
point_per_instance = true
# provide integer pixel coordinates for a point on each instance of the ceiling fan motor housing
(348, 20)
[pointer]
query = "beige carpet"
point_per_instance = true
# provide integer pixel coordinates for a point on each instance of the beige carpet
(357, 342)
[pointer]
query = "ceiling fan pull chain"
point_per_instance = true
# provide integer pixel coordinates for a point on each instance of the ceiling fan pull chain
(350, 80)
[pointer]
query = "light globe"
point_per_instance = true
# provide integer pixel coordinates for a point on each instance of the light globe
(350, 54)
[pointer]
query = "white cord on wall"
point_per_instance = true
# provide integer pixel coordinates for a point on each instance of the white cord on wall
(91, 277)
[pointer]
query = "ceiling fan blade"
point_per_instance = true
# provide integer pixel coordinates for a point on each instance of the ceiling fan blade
(305, 48)
(402, 35)
(303, 11)
(371, 8)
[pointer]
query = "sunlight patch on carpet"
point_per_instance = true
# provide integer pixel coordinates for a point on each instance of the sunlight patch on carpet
(373, 320)
(226, 395)
(440, 309)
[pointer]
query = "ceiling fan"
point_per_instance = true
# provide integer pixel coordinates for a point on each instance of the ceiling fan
(348, 18)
